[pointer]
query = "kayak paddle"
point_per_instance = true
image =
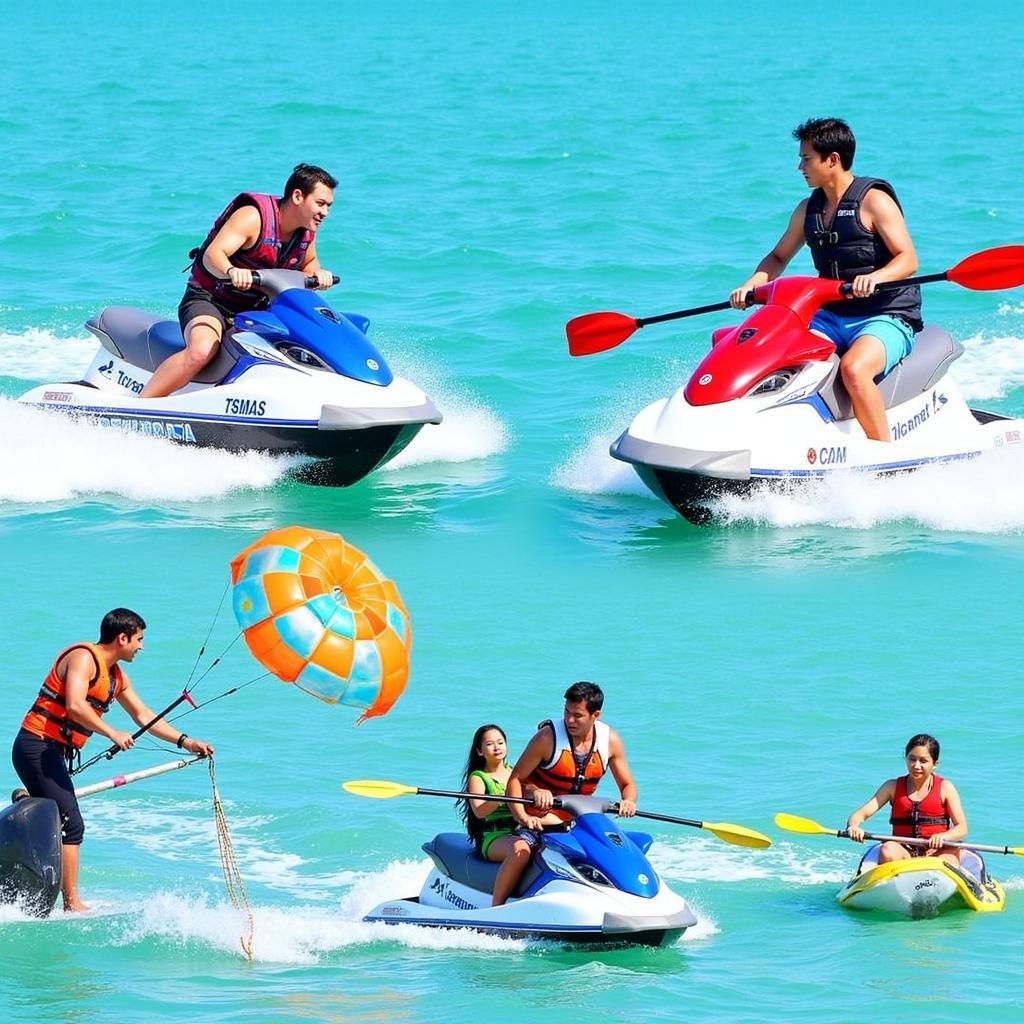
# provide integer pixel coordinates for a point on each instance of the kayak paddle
(738, 835)
(988, 270)
(805, 826)
(378, 789)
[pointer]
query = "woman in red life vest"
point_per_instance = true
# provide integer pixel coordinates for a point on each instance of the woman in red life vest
(924, 806)
(86, 678)
(254, 232)
(489, 822)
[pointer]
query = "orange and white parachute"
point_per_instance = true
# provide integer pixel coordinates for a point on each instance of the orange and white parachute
(318, 613)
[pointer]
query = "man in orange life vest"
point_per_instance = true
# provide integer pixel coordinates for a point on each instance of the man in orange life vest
(82, 684)
(571, 756)
(254, 232)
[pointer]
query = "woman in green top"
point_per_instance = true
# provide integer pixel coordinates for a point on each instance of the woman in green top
(490, 822)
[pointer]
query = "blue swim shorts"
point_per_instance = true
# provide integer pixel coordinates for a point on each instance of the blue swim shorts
(896, 335)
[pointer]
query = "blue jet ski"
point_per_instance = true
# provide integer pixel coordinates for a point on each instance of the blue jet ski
(297, 378)
(589, 883)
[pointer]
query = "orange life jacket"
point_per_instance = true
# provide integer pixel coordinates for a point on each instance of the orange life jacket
(49, 718)
(565, 773)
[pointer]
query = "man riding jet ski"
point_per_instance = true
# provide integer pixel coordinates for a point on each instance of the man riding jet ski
(768, 405)
(297, 378)
(588, 882)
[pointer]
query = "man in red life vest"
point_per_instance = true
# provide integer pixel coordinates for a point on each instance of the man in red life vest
(571, 756)
(254, 232)
(855, 230)
(84, 681)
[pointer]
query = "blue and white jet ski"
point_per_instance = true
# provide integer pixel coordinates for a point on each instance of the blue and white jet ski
(297, 378)
(590, 883)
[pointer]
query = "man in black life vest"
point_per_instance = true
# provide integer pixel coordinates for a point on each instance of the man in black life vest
(254, 232)
(856, 232)
(571, 756)
(85, 680)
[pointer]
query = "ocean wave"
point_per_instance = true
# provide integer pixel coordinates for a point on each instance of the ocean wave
(186, 833)
(38, 355)
(702, 859)
(991, 367)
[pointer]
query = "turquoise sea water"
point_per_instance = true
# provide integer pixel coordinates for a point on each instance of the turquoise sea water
(504, 167)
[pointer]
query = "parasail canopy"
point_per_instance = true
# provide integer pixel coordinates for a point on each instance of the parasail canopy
(318, 613)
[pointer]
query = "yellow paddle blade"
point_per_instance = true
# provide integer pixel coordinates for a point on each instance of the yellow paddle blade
(792, 823)
(377, 789)
(738, 835)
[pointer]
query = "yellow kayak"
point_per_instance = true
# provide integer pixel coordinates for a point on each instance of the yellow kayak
(922, 886)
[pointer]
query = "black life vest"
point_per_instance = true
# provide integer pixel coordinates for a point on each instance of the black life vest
(846, 249)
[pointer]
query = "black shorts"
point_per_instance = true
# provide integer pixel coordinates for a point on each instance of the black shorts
(199, 302)
(43, 769)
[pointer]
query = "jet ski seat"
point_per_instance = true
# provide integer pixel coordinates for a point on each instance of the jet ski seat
(145, 340)
(933, 353)
(455, 855)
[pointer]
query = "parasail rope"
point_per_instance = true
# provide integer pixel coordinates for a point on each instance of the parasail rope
(202, 649)
(229, 864)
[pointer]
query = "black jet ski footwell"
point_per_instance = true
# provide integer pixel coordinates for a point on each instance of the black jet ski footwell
(30, 852)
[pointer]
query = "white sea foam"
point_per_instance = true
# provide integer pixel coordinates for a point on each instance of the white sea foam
(186, 833)
(591, 470)
(991, 366)
(306, 934)
(468, 431)
(986, 496)
(46, 457)
(38, 355)
(702, 859)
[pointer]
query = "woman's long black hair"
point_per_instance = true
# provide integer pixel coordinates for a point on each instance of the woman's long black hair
(476, 762)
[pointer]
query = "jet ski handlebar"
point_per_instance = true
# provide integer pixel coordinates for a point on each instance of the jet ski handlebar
(275, 281)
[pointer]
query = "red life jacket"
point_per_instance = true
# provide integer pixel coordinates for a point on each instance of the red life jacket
(48, 717)
(268, 252)
(564, 773)
(919, 818)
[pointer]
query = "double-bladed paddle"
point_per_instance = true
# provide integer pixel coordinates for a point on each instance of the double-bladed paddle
(805, 826)
(988, 270)
(378, 789)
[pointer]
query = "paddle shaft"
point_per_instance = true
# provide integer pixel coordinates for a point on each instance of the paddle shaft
(556, 803)
(146, 773)
(479, 796)
(716, 307)
(912, 841)
(668, 818)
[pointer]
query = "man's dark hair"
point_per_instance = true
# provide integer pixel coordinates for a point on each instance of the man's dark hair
(306, 177)
(120, 620)
(589, 692)
(828, 135)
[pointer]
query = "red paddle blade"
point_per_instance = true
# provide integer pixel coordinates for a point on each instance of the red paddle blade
(991, 269)
(598, 332)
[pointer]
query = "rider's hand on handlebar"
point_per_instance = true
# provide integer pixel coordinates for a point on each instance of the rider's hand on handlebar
(324, 278)
(240, 278)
